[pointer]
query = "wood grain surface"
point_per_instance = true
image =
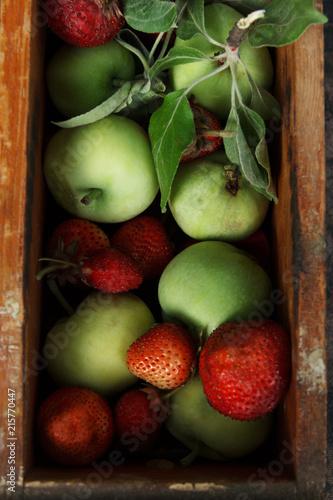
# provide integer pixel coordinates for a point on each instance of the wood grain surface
(299, 251)
(21, 221)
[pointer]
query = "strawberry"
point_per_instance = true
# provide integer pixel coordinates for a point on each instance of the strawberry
(111, 271)
(69, 243)
(85, 23)
(138, 417)
(75, 426)
(207, 136)
(144, 238)
(164, 356)
(245, 366)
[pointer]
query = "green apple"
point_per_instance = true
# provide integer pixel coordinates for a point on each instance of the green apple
(207, 432)
(103, 171)
(214, 93)
(210, 199)
(89, 348)
(80, 78)
(211, 282)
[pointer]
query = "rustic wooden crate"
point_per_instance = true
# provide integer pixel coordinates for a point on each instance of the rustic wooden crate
(294, 467)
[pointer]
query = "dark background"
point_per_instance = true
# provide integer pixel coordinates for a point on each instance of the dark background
(328, 37)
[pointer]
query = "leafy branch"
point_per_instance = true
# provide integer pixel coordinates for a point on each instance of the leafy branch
(171, 128)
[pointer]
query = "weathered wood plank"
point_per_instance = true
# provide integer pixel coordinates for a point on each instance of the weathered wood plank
(299, 225)
(21, 188)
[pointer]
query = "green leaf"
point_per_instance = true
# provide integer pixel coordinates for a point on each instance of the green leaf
(248, 148)
(131, 95)
(247, 6)
(262, 101)
(132, 39)
(175, 56)
(284, 22)
(113, 104)
(191, 19)
(171, 130)
(150, 17)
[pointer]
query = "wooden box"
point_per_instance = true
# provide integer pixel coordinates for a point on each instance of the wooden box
(294, 465)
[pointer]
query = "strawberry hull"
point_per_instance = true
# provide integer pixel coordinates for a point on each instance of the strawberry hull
(292, 463)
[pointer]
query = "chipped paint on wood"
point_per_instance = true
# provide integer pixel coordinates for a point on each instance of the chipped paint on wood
(312, 374)
(11, 308)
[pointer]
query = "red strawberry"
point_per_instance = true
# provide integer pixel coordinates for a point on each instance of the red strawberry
(244, 367)
(207, 136)
(85, 23)
(111, 271)
(69, 243)
(75, 426)
(138, 416)
(164, 356)
(144, 238)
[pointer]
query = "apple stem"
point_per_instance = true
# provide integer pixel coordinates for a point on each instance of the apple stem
(91, 196)
(186, 461)
(233, 176)
(245, 22)
(56, 292)
(219, 133)
(241, 28)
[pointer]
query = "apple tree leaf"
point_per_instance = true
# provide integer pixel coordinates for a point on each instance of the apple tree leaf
(247, 6)
(150, 17)
(131, 38)
(131, 94)
(262, 101)
(191, 19)
(175, 56)
(284, 22)
(171, 130)
(248, 148)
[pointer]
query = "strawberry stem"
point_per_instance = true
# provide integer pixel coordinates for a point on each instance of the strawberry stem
(58, 265)
(91, 196)
(56, 292)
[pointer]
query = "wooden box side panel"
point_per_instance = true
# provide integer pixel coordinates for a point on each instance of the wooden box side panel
(21, 223)
(299, 251)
